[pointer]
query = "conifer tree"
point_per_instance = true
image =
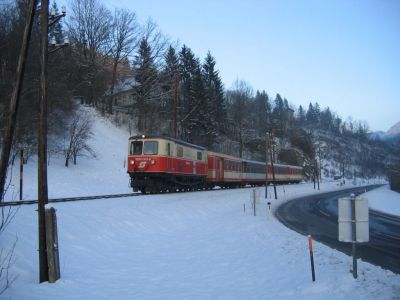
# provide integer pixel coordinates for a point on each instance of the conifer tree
(146, 92)
(214, 96)
(170, 87)
(301, 116)
(262, 111)
(188, 65)
(311, 118)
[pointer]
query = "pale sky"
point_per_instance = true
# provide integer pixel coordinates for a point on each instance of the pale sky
(344, 54)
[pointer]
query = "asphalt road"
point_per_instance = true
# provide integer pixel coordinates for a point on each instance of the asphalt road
(317, 215)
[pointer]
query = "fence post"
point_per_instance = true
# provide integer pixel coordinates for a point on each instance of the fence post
(52, 245)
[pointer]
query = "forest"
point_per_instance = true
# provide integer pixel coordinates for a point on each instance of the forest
(168, 90)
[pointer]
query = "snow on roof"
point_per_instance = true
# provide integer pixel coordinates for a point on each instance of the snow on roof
(125, 84)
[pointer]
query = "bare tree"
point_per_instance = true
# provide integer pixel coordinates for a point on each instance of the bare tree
(156, 40)
(80, 131)
(125, 37)
(239, 99)
(90, 29)
(7, 256)
(6, 261)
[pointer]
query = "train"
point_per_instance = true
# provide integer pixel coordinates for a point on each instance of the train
(159, 164)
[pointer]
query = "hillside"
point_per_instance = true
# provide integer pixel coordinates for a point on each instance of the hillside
(394, 130)
(104, 174)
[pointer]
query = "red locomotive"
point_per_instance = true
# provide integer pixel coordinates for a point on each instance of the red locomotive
(161, 164)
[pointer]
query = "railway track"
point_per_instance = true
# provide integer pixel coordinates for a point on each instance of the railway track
(69, 199)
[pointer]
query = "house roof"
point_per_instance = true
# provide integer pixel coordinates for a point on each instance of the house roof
(124, 85)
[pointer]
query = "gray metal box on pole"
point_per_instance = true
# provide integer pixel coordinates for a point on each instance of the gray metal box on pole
(361, 220)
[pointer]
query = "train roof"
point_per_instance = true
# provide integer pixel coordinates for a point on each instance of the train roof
(249, 160)
(284, 165)
(224, 155)
(179, 142)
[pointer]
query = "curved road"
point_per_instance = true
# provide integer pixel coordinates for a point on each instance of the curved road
(317, 215)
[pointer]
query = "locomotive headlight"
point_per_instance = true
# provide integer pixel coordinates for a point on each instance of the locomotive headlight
(132, 162)
(152, 162)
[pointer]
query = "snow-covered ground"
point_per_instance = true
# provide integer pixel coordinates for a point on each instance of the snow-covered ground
(199, 245)
(385, 200)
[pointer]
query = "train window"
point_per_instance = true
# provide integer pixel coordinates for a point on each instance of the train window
(168, 149)
(199, 156)
(150, 147)
(136, 148)
(179, 151)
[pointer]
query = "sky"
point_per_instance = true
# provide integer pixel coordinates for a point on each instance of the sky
(341, 54)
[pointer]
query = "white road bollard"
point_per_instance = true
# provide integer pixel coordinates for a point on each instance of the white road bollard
(254, 201)
(269, 216)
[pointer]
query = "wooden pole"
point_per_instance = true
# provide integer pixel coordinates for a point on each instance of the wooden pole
(272, 165)
(14, 101)
(266, 167)
(175, 121)
(52, 245)
(42, 153)
(21, 172)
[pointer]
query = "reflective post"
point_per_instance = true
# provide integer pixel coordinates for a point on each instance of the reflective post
(311, 257)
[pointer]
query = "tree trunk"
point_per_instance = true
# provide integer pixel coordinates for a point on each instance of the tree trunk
(114, 77)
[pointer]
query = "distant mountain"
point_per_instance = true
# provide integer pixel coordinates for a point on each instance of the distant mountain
(392, 134)
(377, 135)
(394, 130)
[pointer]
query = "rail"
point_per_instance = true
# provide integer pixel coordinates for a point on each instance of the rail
(69, 199)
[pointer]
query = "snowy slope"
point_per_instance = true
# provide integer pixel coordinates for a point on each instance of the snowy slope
(175, 246)
(394, 130)
(89, 175)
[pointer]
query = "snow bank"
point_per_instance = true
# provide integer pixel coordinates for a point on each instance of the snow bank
(384, 200)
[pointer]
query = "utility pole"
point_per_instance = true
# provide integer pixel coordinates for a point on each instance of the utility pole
(176, 86)
(266, 167)
(21, 172)
(271, 136)
(14, 101)
(42, 153)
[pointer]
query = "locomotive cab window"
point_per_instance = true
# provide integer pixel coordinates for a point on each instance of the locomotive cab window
(150, 148)
(136, 148)
(199, 156)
